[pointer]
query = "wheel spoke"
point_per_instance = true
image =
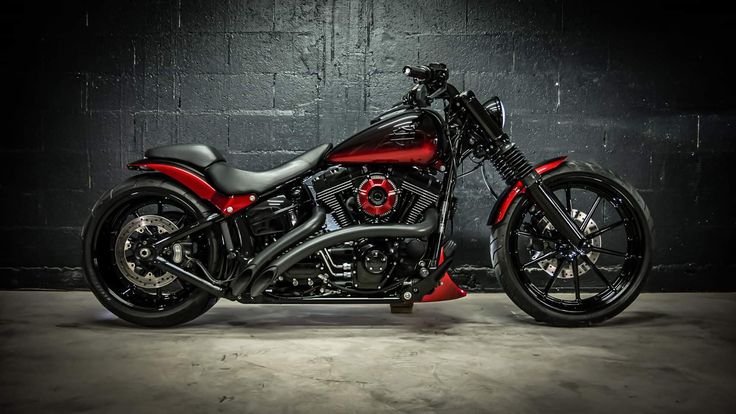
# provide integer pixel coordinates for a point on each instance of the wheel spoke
(576, 278)
(597, 271)
(590, 213)
(539, 259)
(568, 202)
(608, 251)
(560, 263)
(535, 236)
(604, 229)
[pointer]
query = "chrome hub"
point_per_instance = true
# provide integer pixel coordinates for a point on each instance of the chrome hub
(550, 265)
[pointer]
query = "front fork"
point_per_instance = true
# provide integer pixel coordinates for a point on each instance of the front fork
(513, 167)
(553, 210)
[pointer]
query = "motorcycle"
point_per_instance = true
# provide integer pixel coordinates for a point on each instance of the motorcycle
(368, 221)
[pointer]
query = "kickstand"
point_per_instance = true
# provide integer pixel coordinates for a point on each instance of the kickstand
(402, 307)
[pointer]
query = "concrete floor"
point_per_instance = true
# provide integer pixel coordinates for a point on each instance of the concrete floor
(61, 352)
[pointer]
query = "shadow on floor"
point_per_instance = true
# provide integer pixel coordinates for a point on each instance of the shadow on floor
(290, 320)
(295, 318)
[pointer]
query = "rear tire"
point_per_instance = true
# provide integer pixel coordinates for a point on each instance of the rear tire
(104, 278)
(515, 282)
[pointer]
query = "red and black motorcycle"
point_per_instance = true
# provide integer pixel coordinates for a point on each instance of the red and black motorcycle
(367, 221)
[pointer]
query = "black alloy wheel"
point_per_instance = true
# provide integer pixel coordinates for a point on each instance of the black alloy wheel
(559, 284)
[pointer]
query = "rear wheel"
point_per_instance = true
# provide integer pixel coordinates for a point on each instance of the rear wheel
(546, 278)
(117, 259)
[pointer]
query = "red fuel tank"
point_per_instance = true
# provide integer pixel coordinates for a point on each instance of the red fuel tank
(409, 137)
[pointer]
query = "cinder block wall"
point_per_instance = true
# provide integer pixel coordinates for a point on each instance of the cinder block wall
(646, 91)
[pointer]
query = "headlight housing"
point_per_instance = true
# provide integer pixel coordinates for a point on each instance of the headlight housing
(494, 106)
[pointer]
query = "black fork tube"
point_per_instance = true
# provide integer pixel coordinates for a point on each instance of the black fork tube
(550, 205)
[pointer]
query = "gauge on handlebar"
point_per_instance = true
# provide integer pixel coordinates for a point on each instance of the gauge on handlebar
(419, 93)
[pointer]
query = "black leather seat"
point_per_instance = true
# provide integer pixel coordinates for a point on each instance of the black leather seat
(228, 180)
(200, 156)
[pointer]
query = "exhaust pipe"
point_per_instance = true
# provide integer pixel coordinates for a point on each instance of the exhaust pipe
(300, 252)
(188, 276)
(314, 223)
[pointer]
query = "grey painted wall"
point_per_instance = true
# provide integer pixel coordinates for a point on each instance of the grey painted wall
(648, 94)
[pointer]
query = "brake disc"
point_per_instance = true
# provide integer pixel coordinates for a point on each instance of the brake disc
(130, 257)
(550, 265)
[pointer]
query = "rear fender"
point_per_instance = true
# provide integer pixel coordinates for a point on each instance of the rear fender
(193, 180)
(509, 194)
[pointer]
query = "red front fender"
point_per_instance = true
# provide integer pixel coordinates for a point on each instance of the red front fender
(508, 196)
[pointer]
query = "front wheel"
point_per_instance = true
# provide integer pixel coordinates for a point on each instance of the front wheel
(540, 272)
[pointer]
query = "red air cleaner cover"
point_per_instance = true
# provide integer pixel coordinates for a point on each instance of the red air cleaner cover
(377, 195)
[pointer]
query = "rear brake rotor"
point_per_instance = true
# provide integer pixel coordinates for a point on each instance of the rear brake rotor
(550, 265)
(130, 253)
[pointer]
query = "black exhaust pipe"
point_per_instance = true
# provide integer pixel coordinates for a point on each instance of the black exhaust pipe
(188, 276)
(300, 252)
(314, 223)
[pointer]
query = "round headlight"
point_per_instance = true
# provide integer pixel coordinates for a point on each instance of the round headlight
(494, 106)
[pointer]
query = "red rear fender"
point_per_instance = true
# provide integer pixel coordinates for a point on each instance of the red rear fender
(194, 181)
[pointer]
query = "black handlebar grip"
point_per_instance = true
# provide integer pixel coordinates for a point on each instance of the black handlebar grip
(419, 72)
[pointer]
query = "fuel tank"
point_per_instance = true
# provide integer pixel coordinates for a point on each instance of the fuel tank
(408, 137)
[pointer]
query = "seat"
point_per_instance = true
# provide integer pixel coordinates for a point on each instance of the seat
(200, 156)
(230, 181)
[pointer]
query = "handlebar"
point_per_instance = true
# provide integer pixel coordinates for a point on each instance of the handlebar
(435, 74)
(419, 72)
(431, 83)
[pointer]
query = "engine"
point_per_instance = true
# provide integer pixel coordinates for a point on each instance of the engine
(353, 196)
(361, 196)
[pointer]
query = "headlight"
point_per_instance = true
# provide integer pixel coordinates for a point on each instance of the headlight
(494, 106)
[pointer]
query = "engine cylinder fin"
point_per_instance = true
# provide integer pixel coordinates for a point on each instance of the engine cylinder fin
(329, 197)
(424, 200)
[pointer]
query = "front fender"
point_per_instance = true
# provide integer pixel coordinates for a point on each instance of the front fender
(509, 194)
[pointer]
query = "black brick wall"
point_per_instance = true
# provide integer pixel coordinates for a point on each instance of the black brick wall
(646, 90)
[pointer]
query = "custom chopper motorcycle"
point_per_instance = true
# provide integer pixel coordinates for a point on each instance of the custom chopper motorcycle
(367, 221)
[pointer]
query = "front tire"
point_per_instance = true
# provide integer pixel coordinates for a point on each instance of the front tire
(151, 300)
(528, 258)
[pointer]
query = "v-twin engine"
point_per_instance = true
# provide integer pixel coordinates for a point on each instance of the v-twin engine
(360, 195)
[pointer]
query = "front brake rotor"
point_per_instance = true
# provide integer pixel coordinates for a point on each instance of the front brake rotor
(550, 265)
